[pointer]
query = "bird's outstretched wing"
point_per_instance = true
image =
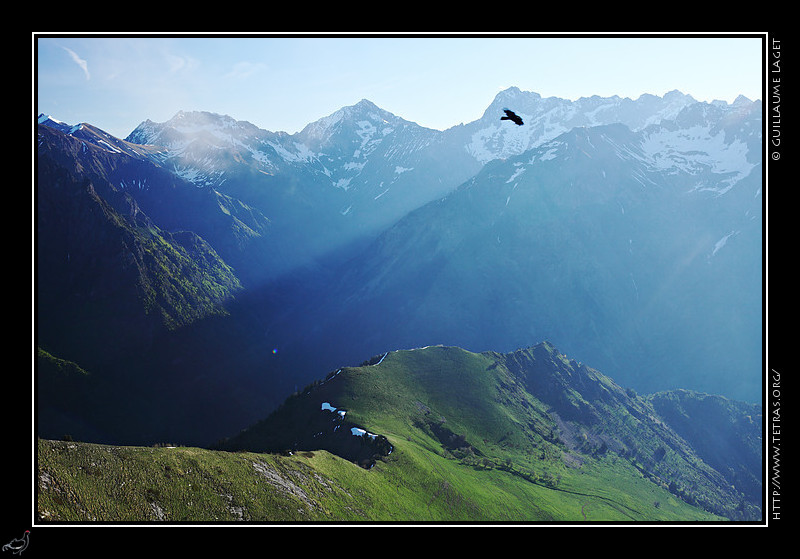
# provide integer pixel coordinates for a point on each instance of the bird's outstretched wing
(512, 116)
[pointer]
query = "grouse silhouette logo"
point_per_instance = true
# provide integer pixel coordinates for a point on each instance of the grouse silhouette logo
(18, 545)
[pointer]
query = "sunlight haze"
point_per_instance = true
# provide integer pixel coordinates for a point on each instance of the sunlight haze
(284, 83)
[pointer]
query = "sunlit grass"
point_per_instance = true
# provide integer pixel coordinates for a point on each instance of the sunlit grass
(469, 443)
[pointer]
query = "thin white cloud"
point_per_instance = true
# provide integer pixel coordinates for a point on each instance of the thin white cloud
(176, 63)
(245, 69)
(79, 61)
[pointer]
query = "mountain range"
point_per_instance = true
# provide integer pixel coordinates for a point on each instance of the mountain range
(194, 274)
(350, 175)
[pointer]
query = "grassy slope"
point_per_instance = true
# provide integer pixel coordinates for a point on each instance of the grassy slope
(87, 482)
(505, 469)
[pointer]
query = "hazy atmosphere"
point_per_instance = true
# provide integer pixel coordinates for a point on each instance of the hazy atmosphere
(282, 84)
(398, 279)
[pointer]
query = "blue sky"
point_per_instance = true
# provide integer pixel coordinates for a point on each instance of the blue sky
(282, 84)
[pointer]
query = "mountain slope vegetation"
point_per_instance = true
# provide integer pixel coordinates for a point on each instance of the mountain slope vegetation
(160, 278)
(142, 304)
(433, 434)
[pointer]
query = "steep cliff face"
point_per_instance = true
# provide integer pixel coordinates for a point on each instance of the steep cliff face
(727, 434)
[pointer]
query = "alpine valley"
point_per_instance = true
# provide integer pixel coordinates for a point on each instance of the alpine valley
(208, 295)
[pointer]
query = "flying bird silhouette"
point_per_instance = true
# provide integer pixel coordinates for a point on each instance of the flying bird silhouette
(511, 115)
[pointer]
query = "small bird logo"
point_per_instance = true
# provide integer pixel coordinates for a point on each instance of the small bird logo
(512, 116)
(18, 545)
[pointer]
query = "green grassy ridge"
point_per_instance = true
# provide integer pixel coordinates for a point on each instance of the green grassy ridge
(82, 482)
(479, 410)
(460, 438)
(450, 387)
(89, 482)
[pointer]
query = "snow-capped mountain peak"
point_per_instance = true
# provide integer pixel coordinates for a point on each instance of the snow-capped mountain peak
(189, 126)
(100, 139)
(366, 120)
(547, 117)
(57, 124)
